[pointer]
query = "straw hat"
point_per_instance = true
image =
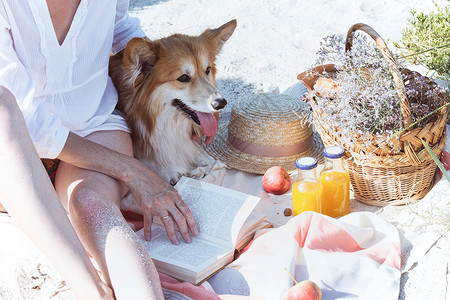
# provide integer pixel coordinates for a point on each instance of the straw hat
(266, 130)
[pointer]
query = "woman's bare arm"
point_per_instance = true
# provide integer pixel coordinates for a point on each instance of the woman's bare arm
(155, 196)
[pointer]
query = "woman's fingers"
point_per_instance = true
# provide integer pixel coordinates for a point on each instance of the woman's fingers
(182, 225)
(168, 205)
(176, 216)
(169, 225)
(148, 220)
(192, 225)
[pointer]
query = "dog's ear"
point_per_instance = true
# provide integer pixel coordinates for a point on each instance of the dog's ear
(140, 56)
(220, 35)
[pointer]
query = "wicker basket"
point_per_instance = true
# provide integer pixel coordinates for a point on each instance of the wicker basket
(379, 174)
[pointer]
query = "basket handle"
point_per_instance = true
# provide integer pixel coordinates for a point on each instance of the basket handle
(398, 81)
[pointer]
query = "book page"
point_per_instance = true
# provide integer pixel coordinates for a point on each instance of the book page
(220, 212)
(253, 220)
(194, 256)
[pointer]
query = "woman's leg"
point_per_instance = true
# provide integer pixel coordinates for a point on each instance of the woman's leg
(92, 200)
(29, 197)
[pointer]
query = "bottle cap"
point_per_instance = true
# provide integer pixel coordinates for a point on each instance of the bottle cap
(333, 152)
(306, 163)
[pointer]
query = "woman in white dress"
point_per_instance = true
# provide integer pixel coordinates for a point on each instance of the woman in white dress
(57, 101)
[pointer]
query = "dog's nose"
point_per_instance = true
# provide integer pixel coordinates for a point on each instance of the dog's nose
(218, 103)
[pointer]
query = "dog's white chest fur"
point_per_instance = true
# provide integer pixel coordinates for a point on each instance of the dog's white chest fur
(174, 153)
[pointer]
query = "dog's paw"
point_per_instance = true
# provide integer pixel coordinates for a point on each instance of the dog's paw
(174, 179)
(172, 175)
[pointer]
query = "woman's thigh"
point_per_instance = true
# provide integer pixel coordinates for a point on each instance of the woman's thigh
(69, 177)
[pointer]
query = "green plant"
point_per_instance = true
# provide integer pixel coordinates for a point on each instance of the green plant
(426, 39)
(436, 160)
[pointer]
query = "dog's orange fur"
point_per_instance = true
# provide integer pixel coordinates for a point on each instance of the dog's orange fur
(147, 71)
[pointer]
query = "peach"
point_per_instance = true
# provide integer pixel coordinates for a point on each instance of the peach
(305, 290)
(276, 180)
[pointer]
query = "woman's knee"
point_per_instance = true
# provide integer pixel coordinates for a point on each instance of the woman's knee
(89, 203)
(91, 211)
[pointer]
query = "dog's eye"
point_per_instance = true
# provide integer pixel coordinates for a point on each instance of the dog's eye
(184, 78)
(208, 70)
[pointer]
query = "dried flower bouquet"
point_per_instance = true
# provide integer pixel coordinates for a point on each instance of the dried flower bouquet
(379, 114)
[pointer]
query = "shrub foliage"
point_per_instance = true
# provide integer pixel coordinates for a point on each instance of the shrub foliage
(426, 38)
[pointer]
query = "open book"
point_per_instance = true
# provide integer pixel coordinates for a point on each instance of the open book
(226, 222)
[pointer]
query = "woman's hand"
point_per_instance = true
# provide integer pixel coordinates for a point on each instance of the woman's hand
(157, 197)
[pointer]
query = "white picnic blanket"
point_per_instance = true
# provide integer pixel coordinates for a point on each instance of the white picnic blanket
(421, 229)
(357, 256)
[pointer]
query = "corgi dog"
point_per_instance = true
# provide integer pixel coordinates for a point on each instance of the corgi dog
(169, 96)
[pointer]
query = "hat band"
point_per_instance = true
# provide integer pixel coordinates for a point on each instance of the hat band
(269, 151)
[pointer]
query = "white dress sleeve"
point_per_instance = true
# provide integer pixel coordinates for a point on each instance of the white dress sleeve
(125, 27)
(47, 133)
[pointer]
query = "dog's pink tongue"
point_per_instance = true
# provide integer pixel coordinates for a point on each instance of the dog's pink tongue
(209, 125)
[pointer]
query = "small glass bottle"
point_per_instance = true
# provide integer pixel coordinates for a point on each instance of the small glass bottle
(336, 183)
(307, 189)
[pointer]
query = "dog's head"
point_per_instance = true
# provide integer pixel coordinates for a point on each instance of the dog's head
(178, 73)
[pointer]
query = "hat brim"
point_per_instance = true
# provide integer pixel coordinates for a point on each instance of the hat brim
(220, 149)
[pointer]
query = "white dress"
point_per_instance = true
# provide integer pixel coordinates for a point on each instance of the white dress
(62, 88)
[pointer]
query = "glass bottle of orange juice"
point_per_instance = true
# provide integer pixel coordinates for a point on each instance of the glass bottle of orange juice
(307, 189)
(336, 183)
